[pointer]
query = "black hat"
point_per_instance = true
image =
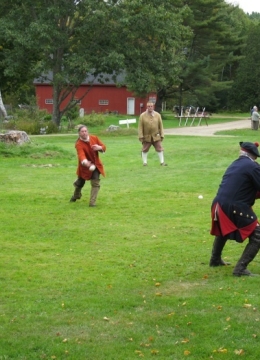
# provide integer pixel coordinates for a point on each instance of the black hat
(249, 147)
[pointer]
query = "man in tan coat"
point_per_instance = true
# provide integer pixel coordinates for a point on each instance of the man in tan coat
(150, 132)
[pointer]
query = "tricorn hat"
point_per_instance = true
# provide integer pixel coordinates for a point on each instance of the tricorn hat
(249, 147)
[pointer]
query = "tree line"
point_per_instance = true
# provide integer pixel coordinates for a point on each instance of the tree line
(199, 52)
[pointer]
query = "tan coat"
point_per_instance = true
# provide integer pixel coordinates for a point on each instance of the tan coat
(85, 151)
(150, 127)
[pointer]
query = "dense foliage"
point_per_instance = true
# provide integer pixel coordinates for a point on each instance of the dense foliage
(186, 51)
(245, 91)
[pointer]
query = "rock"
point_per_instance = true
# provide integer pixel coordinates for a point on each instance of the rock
(14, 137)
(113, 128)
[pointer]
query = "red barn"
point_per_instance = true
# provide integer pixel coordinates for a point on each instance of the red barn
(97, 96)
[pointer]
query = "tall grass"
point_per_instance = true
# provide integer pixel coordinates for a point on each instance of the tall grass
(130, 278)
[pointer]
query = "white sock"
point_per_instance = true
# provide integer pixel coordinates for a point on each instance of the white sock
(144, 157)
(161, 157)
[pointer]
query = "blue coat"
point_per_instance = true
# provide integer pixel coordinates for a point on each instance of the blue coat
(231, 210)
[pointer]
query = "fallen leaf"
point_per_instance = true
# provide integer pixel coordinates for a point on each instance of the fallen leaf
(239, 352)
(185, 341)
(138, 352)
(154, 352)
(247, 306)
(186, 352)
(173, 313)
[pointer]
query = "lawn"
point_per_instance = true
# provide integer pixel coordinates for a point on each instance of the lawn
(169, 120)
(128, 279)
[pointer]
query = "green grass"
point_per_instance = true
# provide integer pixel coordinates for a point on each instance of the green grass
(128, 279)
(169, 119)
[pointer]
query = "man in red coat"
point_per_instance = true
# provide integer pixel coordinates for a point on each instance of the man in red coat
(232, 215)
(89, 165)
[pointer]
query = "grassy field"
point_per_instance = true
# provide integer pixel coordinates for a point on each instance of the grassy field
(169, 119)
(128, 279)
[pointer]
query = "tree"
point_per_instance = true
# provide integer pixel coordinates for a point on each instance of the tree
(15, 81)
(154, 34)
(245, 91)
(63, 39)
(202, 56)
(68, 39)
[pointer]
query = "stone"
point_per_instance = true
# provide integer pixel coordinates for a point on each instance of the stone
(14, 137)
(113, 128)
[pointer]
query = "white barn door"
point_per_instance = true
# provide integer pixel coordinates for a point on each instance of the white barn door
(130, 106)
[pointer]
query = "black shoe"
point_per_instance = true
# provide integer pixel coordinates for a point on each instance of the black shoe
(91, 205)
(244, 272)
(163, 164)
(218, 262)
(72, 199)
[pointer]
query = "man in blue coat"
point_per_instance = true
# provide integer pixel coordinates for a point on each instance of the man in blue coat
(232, 214)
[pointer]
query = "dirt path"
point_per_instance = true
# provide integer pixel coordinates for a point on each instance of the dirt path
(210, 130)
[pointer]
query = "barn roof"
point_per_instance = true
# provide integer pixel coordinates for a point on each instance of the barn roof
(100, 79)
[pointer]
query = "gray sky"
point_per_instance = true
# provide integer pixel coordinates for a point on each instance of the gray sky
(247, 5)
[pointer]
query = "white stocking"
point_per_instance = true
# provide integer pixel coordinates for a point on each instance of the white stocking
(161, 157)
(144, 157)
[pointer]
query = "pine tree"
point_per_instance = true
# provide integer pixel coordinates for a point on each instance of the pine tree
(245, 91)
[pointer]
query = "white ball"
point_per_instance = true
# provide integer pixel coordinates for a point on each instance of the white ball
(92, 167)
(200, 197)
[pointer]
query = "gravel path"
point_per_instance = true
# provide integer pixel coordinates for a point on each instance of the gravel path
(210, 130)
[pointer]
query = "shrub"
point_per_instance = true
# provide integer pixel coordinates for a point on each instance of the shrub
(51, 128)
(93, 119)
(30, 127)
(72, 113)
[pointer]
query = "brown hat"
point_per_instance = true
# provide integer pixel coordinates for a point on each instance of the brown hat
(249, 147)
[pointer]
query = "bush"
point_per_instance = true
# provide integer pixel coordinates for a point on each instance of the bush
(32, 127)
(93, 119)
(51, 128)
(73, 113)
(31, 114)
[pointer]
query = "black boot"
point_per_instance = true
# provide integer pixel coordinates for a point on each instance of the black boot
(77, 192)
(217, 248)
(248, 255)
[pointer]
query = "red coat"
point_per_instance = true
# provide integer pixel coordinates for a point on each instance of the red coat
(85, 151)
